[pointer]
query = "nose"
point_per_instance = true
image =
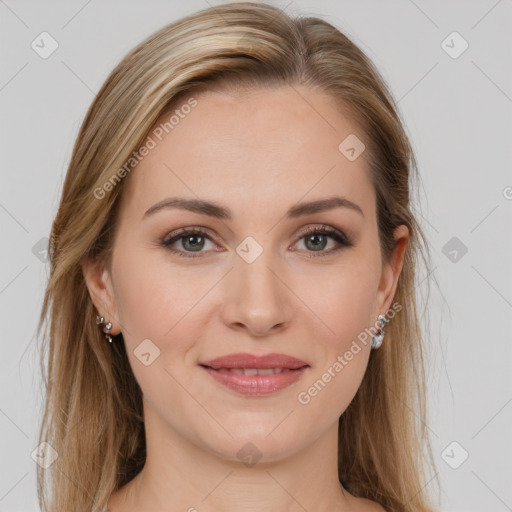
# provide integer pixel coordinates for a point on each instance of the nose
(256, 297)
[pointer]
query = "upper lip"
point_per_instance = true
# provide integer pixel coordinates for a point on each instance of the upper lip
(243, 360)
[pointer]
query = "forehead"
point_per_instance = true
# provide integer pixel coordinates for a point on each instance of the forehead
(252, 149)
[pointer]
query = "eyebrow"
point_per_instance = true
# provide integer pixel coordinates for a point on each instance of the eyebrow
(217, 211)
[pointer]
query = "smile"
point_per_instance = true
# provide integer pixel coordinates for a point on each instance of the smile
(254, 381)
(255, 375)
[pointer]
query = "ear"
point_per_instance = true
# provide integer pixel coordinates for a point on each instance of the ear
(99, 283)
(391, 271)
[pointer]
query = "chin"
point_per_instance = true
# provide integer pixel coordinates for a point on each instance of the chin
(257, 442)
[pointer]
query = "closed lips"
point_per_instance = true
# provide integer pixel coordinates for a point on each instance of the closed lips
(254, 371)
(255, 375)
(251, 364)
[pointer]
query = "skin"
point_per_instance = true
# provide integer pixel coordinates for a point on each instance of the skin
(257, 153)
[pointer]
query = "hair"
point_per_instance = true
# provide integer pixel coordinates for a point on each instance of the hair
(93, 415)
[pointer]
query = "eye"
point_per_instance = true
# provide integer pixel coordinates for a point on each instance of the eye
(193, 240)
(317, 239)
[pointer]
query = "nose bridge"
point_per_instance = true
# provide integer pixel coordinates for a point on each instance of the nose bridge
(253, 269)
(258, 298)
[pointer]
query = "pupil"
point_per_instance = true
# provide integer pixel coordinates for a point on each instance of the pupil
(193, 237)
(316, 245)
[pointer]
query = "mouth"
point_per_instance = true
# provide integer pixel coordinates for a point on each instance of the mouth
(254, 371)
(252, 375)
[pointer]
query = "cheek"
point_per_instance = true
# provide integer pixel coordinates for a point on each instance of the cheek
(159, 303)
(154, 297)
(345, 305)
(343, 298)
(344, 356)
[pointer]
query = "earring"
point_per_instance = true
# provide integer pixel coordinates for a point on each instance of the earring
(106, 327)
(377, 338)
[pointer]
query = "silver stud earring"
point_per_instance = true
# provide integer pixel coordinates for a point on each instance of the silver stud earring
(106, 327)
(377, 338)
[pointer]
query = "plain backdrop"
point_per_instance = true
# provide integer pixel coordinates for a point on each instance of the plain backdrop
(448, 65)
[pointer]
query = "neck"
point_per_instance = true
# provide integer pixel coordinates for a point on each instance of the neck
(179, 475)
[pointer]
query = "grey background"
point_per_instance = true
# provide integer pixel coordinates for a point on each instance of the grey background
(458, 113)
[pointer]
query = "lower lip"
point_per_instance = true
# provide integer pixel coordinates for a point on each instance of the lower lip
(256, 385)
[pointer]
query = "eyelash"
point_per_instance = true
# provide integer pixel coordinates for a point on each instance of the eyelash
(336, 235)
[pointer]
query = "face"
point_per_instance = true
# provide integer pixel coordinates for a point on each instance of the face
(248, 275)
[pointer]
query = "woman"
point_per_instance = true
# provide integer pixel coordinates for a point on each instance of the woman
(231, 309)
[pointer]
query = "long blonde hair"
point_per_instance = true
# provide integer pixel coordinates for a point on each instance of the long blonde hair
(93, 415)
